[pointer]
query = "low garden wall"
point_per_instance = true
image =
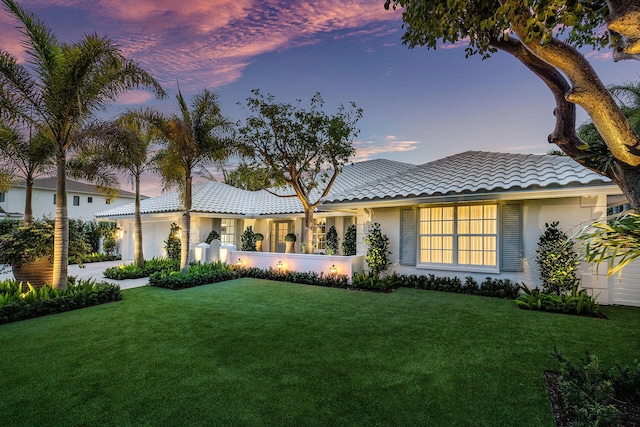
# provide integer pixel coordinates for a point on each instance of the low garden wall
(326, 264)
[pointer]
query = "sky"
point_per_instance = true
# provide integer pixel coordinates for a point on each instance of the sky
(419, 105)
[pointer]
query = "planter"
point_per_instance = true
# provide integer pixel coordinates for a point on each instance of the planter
(290, 248)
(259, 245)
(36, 272)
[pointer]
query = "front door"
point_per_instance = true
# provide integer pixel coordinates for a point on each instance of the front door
(279, 229)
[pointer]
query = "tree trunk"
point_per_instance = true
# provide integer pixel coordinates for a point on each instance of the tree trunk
(61, 228)
(138, 256)
(28, 207)
(308, 230)
(628, 179)
(185, 236)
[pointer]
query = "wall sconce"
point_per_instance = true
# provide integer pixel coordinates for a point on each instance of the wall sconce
(333, 269)
(279, 265)
(239, 262)
(119, 232)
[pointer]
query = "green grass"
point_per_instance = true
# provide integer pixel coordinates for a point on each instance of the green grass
(253, 352)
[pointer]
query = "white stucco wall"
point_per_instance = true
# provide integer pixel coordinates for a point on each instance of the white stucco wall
(573, 213)
(43, 206)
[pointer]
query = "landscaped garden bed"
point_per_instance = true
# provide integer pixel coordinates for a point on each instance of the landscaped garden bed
(20, 301)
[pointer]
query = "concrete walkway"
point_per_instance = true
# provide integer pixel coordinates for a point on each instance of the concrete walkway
(94, 270)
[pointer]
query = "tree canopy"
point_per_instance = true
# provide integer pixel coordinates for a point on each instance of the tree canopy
(303, 148)
(545, 36)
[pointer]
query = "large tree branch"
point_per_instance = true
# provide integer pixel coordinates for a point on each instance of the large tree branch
(564, 134)
(587, 91)
(624, 20)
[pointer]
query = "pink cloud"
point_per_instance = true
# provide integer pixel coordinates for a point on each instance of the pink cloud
(365, 150)
(195, 39)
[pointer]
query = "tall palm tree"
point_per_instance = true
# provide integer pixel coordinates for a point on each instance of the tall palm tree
(192, 137)
(64, 86)
(121, 145)
(29, 157)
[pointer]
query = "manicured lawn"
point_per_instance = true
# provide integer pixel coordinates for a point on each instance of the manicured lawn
(252, 352)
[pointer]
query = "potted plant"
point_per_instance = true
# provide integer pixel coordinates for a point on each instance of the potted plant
(259, 239)
(290, 240)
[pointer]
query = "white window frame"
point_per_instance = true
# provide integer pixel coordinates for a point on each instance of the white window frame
(228, 231)
(455, 235)
(319, 234)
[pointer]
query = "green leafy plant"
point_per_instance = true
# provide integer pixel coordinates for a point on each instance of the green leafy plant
(290, 237)
(19, 301)
(173, 245)
(349, 242)
(333, 242)
(574, 302)
(259, 237)
(557, 260)
(248, 240)
(132, 271)
(377, 250)
(589, 391)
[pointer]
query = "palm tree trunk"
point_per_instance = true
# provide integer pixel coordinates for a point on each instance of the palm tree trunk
(61, 228)
(138, 256)
(186, 226)
(28, 208)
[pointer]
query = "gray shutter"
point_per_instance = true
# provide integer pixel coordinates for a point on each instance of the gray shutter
(408, 237)
(511, 237)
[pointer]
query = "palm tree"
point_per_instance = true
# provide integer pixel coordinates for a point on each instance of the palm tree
(193, 137)
(121, 145)
(65, 85)
(29, 157)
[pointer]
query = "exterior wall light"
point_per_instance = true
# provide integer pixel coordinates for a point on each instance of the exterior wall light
(333, 269)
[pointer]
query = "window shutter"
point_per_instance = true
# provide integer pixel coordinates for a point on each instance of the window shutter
(511, 237)
(408, 237)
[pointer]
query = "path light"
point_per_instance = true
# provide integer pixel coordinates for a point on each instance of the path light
(279, 265)
(333, 269)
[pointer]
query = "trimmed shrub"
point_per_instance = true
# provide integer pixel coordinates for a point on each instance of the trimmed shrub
(333, 243)
(132, 271)
(290, 237)
(172, 245)
(214, 235)
(248, 240)
(377, 250)
(557, 260)
(349, 242)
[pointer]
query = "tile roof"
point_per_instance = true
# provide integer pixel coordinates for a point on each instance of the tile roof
(51, 183)
(476, 172)
(465, 173)
(215, 197)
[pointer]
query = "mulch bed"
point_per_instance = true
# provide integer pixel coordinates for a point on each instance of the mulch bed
(629, 411)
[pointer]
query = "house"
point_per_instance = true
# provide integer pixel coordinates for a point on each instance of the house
(475, 214)
(83, 199)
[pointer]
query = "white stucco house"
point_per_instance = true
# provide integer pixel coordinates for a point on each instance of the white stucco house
(473, 214)
(83, 199)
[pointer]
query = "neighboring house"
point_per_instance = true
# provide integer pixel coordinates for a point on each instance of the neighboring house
(473, 214)
(83, 199)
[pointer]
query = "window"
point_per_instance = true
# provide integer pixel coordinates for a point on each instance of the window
(89, 199)
(320, 233)
(2, 197)
(76, 200)
(228, 231)
(459, 235)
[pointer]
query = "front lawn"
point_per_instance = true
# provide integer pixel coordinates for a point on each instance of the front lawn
(255, 352)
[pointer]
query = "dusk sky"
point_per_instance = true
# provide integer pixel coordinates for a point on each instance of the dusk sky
(419, 105)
